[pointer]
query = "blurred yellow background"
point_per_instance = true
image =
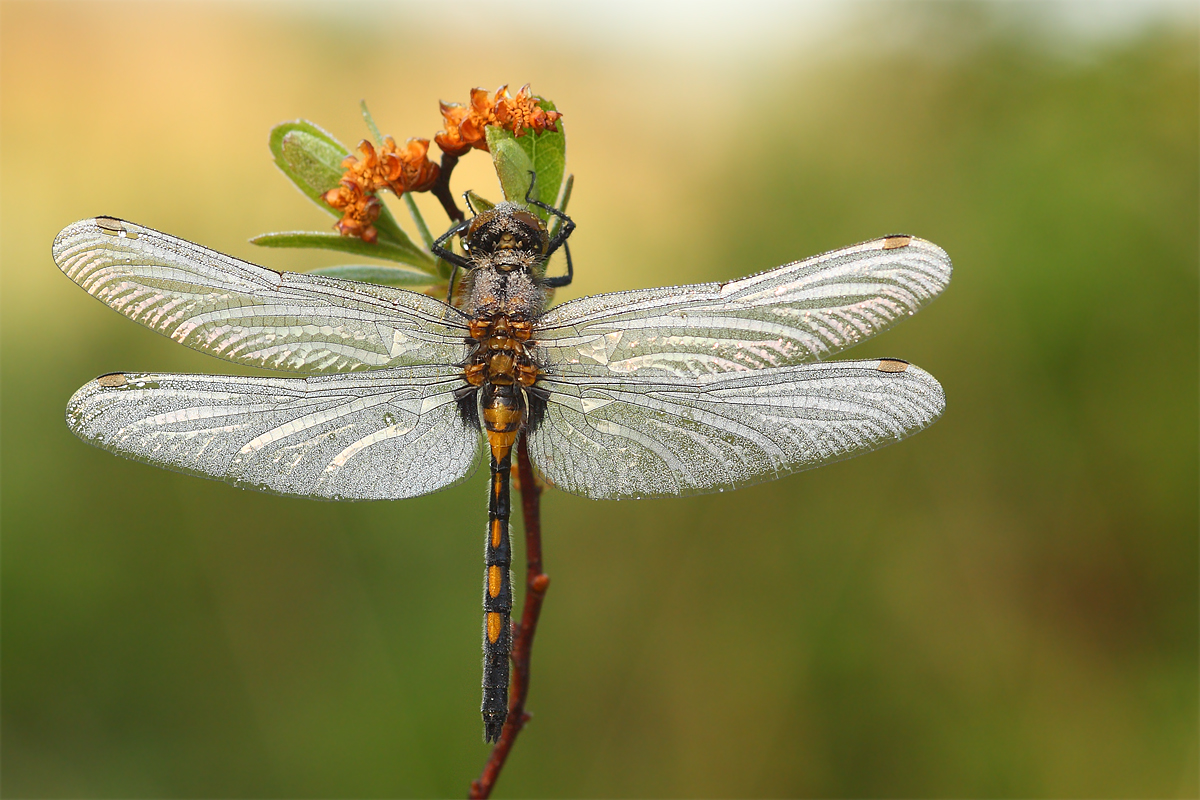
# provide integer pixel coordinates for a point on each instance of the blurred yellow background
(1003, 606)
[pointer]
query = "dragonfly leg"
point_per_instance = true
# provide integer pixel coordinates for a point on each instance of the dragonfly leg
(447, 254)
(558, 241)
(562, 280)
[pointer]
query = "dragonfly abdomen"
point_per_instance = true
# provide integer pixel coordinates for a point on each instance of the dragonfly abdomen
(502, 369)
(497, 601)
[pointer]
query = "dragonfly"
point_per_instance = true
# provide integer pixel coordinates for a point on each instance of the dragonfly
(647, 393)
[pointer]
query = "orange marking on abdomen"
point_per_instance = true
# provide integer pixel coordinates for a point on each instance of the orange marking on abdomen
(497, 532)
(495, 577)
(501, 443)
(503, 417)
(495, 623)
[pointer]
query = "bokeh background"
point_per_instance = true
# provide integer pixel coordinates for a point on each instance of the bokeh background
(1003, 606)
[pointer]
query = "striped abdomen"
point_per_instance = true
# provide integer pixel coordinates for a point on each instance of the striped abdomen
(502, 370)
(502, 416)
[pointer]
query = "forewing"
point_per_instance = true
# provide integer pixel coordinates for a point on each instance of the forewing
(242, 312)
(383, 435)
(797, 313)
(614, 438)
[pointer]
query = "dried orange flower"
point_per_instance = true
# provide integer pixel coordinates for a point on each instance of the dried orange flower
(408, 169)
(482, 114)
(359, 209)
(362, 171)
(450, 140)
(401, 170)
(521, 112)
(465, 124)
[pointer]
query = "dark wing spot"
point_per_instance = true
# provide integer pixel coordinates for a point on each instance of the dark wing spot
(112, 380)
(896, 241)
(114, 227)
(110, 225)
(892, 365)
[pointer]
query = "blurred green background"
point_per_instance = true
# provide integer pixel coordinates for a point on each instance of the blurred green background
(1003, 606)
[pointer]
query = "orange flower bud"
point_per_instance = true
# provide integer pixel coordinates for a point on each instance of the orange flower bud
(359, 208)
(466, 124)
(522, 112)
(401, 169)
(414, 172)
(450, 140)
(483, 113)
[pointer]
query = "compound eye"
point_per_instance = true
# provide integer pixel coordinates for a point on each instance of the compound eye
(527, 219)
(537, 229)
(480, 234)
(476, 222)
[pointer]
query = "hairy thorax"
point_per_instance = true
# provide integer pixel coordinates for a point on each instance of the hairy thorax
(504, 288)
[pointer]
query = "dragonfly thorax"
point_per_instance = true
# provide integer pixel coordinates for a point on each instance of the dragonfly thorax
(506, 246)
(491, 291)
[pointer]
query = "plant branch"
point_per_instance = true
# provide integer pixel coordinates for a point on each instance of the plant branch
(441, 189)
(536, 583)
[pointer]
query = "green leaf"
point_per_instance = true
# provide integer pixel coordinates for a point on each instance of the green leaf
(548, 150)
(370, 120)
(372, 273)
(418, 220)
(348, 244)
(545, 153)
(312, 159)
(513, 165)
(479, 203)
(563, 199)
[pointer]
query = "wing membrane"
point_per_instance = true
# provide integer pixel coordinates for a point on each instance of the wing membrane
(242, 312)
(797, 313)
(391, 434)
(606, 437)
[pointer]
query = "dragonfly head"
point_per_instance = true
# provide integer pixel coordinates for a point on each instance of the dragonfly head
(507, 235)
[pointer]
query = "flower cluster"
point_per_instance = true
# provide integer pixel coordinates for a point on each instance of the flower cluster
(465, 124)
(406, 169)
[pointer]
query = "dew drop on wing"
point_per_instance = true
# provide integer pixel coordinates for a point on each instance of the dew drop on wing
(389, 418)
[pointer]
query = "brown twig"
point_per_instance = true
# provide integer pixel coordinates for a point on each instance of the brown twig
(536, 583)
(441, 189)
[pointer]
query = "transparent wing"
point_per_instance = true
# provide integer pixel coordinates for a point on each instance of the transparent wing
(614, 438)
(384, 435)
(794, 314)
(242, 312)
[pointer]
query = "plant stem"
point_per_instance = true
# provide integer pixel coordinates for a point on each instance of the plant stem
(536, 583)
(418, 220)
(441, 189)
